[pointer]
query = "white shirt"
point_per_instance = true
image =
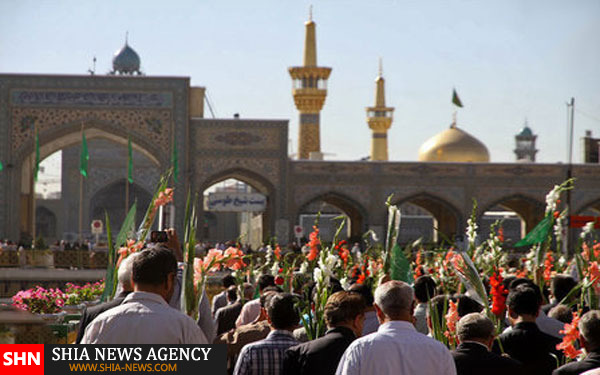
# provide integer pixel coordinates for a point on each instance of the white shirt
(143, 318)
(396, 348)
(250, 311)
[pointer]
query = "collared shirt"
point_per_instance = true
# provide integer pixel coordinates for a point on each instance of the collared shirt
(546, 324)
(265, 357)
(143, 318)
(250, 311)
(396, 348)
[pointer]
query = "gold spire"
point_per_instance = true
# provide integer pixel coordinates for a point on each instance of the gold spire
(379, 119)
(309, 91)
(310, 42)
(380, 87)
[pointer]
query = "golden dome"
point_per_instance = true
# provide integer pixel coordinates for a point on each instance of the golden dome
(454, 145)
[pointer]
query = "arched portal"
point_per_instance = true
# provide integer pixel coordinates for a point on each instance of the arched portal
(520, 214)
(107, 167)
(432, 215)
(332, 205)
(237, 203)
(111, 199)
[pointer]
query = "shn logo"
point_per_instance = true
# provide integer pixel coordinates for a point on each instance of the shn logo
(21, 359)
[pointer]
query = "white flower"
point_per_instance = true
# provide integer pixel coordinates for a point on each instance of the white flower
(471, 231)
(275, 269)
(587, 229)
(269, 255)
(559, 227)
(304, 267)
(552, 198)
(345, 283)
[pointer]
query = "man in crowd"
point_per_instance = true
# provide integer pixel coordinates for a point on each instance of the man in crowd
(424, 291)
(220, 300)
(124, 279)
(251, 309)
(371, 323)
(344, 315)
(525, 342)
(237, 338)
(145, 317)
(226, 316)
(589, 337)
(265, 357)
(396, 348)
(559, 288)
(545, 323)
(475, 334)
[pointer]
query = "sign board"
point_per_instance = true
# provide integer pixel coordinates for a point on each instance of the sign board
(97, 227)
(235, 202)
(577, 221)
(298, 231)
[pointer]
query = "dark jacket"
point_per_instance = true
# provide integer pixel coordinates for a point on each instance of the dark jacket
(592, 361)
(91, 313)
(320, 356)
(226, 316)
(474, 359)
(530, 346)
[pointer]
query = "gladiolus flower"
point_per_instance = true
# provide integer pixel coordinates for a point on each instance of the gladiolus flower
(498, 293)
(451, 319)
(571, 335)
(279, 280)
(313, 244)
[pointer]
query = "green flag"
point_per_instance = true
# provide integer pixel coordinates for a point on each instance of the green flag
(84, 156)
(400, 267)
(1, 166)
(455, 99)
(537, 234)
(175, 161)
(36, 167)
(129, 161)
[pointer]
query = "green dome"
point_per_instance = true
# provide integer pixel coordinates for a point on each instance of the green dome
(525, 132)
(126, 61)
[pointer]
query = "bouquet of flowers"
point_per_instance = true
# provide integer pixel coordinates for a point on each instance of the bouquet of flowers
(39, 300)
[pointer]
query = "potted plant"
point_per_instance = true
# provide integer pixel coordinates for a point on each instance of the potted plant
(48, 303)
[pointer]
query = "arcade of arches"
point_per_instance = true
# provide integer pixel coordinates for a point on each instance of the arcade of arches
(161, 113)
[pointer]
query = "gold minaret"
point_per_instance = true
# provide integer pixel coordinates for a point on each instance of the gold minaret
(309, 90)
(379, 119)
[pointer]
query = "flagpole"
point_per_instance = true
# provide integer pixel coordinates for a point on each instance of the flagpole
(126, 196)
(81, 197)
(33, 203)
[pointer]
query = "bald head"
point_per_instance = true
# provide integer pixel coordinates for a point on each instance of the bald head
(395, 299)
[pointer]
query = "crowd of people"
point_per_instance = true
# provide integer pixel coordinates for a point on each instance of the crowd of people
(386, 332)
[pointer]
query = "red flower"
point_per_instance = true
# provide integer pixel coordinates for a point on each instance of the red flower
(571, 335)
(277, 252)
(548, 265)
(361, 278)
(498, 293)
(501, 234)
(313, 244)
(451, 319)
(556, 214)
(344, 253)
(279, 280)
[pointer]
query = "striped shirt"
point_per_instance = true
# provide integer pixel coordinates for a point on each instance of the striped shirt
(265, 357)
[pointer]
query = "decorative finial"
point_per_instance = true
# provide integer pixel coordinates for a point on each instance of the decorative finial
(380, 67)
(526, 122)
(453, 125)
(126, 37)
(310, 13)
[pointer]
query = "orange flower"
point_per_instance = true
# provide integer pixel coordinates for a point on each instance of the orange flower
(594, 273)
(571, 335)
(234, 258)
(277, 252)
(451, 320)
(313, 244)
(501, 234)
(548, 265)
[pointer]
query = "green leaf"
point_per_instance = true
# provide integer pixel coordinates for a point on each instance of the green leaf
(400, 266)
(127, 227)
(537, 234)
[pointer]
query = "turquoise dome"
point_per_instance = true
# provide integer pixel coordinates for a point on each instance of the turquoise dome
(126, 61)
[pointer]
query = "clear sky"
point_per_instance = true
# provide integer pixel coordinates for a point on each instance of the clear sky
(508, 59)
